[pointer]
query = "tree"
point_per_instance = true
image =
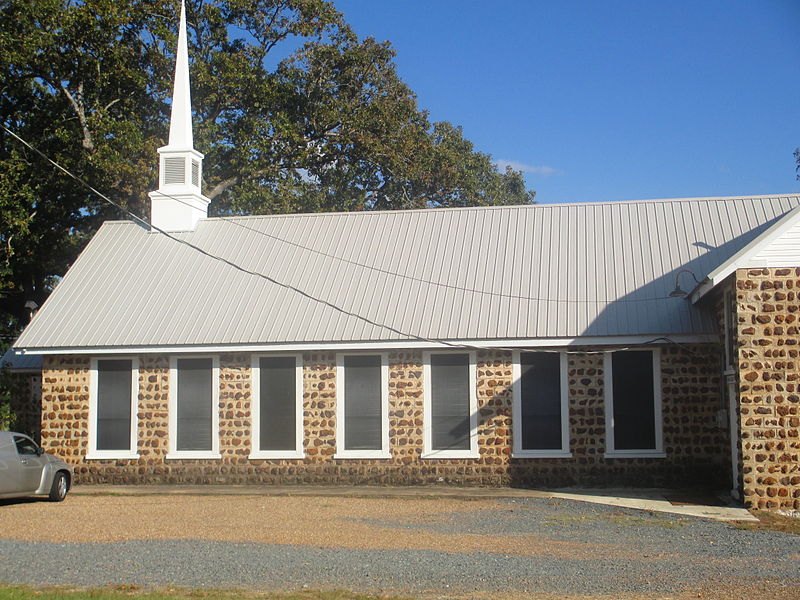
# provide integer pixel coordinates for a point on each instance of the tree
(329, 127)
(797, 161)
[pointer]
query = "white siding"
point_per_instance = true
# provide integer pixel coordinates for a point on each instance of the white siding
(784, 251)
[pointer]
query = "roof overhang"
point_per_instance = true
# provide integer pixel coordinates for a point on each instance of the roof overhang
(506, 344)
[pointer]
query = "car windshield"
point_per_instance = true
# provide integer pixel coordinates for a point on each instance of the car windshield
(25, 445)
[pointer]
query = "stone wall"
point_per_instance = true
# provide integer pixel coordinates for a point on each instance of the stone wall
(694, 441)
(768, 315)
(65, 406)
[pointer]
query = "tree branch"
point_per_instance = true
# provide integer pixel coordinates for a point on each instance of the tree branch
(77, 105)
(231, 181)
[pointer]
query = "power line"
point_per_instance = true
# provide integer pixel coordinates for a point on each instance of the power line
(219, 258)
(233, 221)
(284, 285)
(432, 282)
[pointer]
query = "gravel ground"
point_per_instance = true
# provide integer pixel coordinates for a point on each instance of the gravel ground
(442, 547)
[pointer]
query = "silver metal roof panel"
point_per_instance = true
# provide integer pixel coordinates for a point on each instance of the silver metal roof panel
(520, 272)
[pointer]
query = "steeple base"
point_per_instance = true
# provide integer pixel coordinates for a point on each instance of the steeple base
(177, 212)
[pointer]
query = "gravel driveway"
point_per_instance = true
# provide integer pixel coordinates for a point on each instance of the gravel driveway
(532, 547)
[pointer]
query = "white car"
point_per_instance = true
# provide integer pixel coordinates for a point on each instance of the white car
(26, 469)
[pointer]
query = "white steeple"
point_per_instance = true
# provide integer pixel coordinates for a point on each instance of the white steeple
(178, 204)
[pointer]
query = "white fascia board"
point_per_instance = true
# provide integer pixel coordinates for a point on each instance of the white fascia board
(628, 340)
(741, 260)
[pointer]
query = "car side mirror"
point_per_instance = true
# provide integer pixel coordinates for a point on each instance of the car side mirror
(39, 451)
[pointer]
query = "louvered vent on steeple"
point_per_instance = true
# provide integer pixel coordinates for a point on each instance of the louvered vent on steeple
(174, 170)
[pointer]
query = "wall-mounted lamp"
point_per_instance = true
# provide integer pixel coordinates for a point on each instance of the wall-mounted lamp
(678, 292)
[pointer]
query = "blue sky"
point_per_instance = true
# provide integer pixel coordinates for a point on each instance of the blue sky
(613, 100)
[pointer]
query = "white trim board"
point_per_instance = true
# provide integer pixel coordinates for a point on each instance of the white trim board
(626, 340)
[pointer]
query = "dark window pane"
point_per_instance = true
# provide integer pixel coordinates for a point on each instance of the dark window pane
(194, 404)
(634, 403)
(450, 402)
(362, 403)
(540, 386)
(114, 404)
(277, 412)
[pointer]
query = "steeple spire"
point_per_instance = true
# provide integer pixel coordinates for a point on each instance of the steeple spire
(179, 204)
(180, 125)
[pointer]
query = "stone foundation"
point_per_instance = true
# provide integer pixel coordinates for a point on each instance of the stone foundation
(695, 441)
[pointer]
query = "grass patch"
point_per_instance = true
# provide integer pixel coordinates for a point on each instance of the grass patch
(769, 521)
(129, 591)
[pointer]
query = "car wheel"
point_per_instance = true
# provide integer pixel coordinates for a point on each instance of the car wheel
(58, 491)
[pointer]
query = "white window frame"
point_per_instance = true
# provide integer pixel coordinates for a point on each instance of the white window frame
(255, 409)
(608, 396)
(173, 453)
(516, 414)
(427, 431)
(341, 451)
(93, 453)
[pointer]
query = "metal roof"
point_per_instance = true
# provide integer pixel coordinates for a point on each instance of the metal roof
(498, 273)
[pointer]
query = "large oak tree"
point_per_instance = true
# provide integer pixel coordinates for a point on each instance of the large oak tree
(293, 111)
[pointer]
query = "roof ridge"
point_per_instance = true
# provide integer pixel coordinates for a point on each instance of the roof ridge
(507, 207)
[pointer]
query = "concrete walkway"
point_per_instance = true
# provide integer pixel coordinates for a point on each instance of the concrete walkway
(655, 500)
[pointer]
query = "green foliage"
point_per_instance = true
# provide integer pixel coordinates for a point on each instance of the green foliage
(797, 161)
(8, 387)
(8, 420)
(293, 111)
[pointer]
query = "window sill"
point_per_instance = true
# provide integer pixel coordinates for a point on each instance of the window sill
(187, 455)
(541, 454)
(434, 454)
(635, 454)
(275, 454)
(362, 455)
(107, 455)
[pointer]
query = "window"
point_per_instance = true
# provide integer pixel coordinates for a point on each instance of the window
(362, 406)
(451, 419)
(541, 405)
(194, 408)
(113, 407)
(633, 403)
(277, 407)
(26, 446)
